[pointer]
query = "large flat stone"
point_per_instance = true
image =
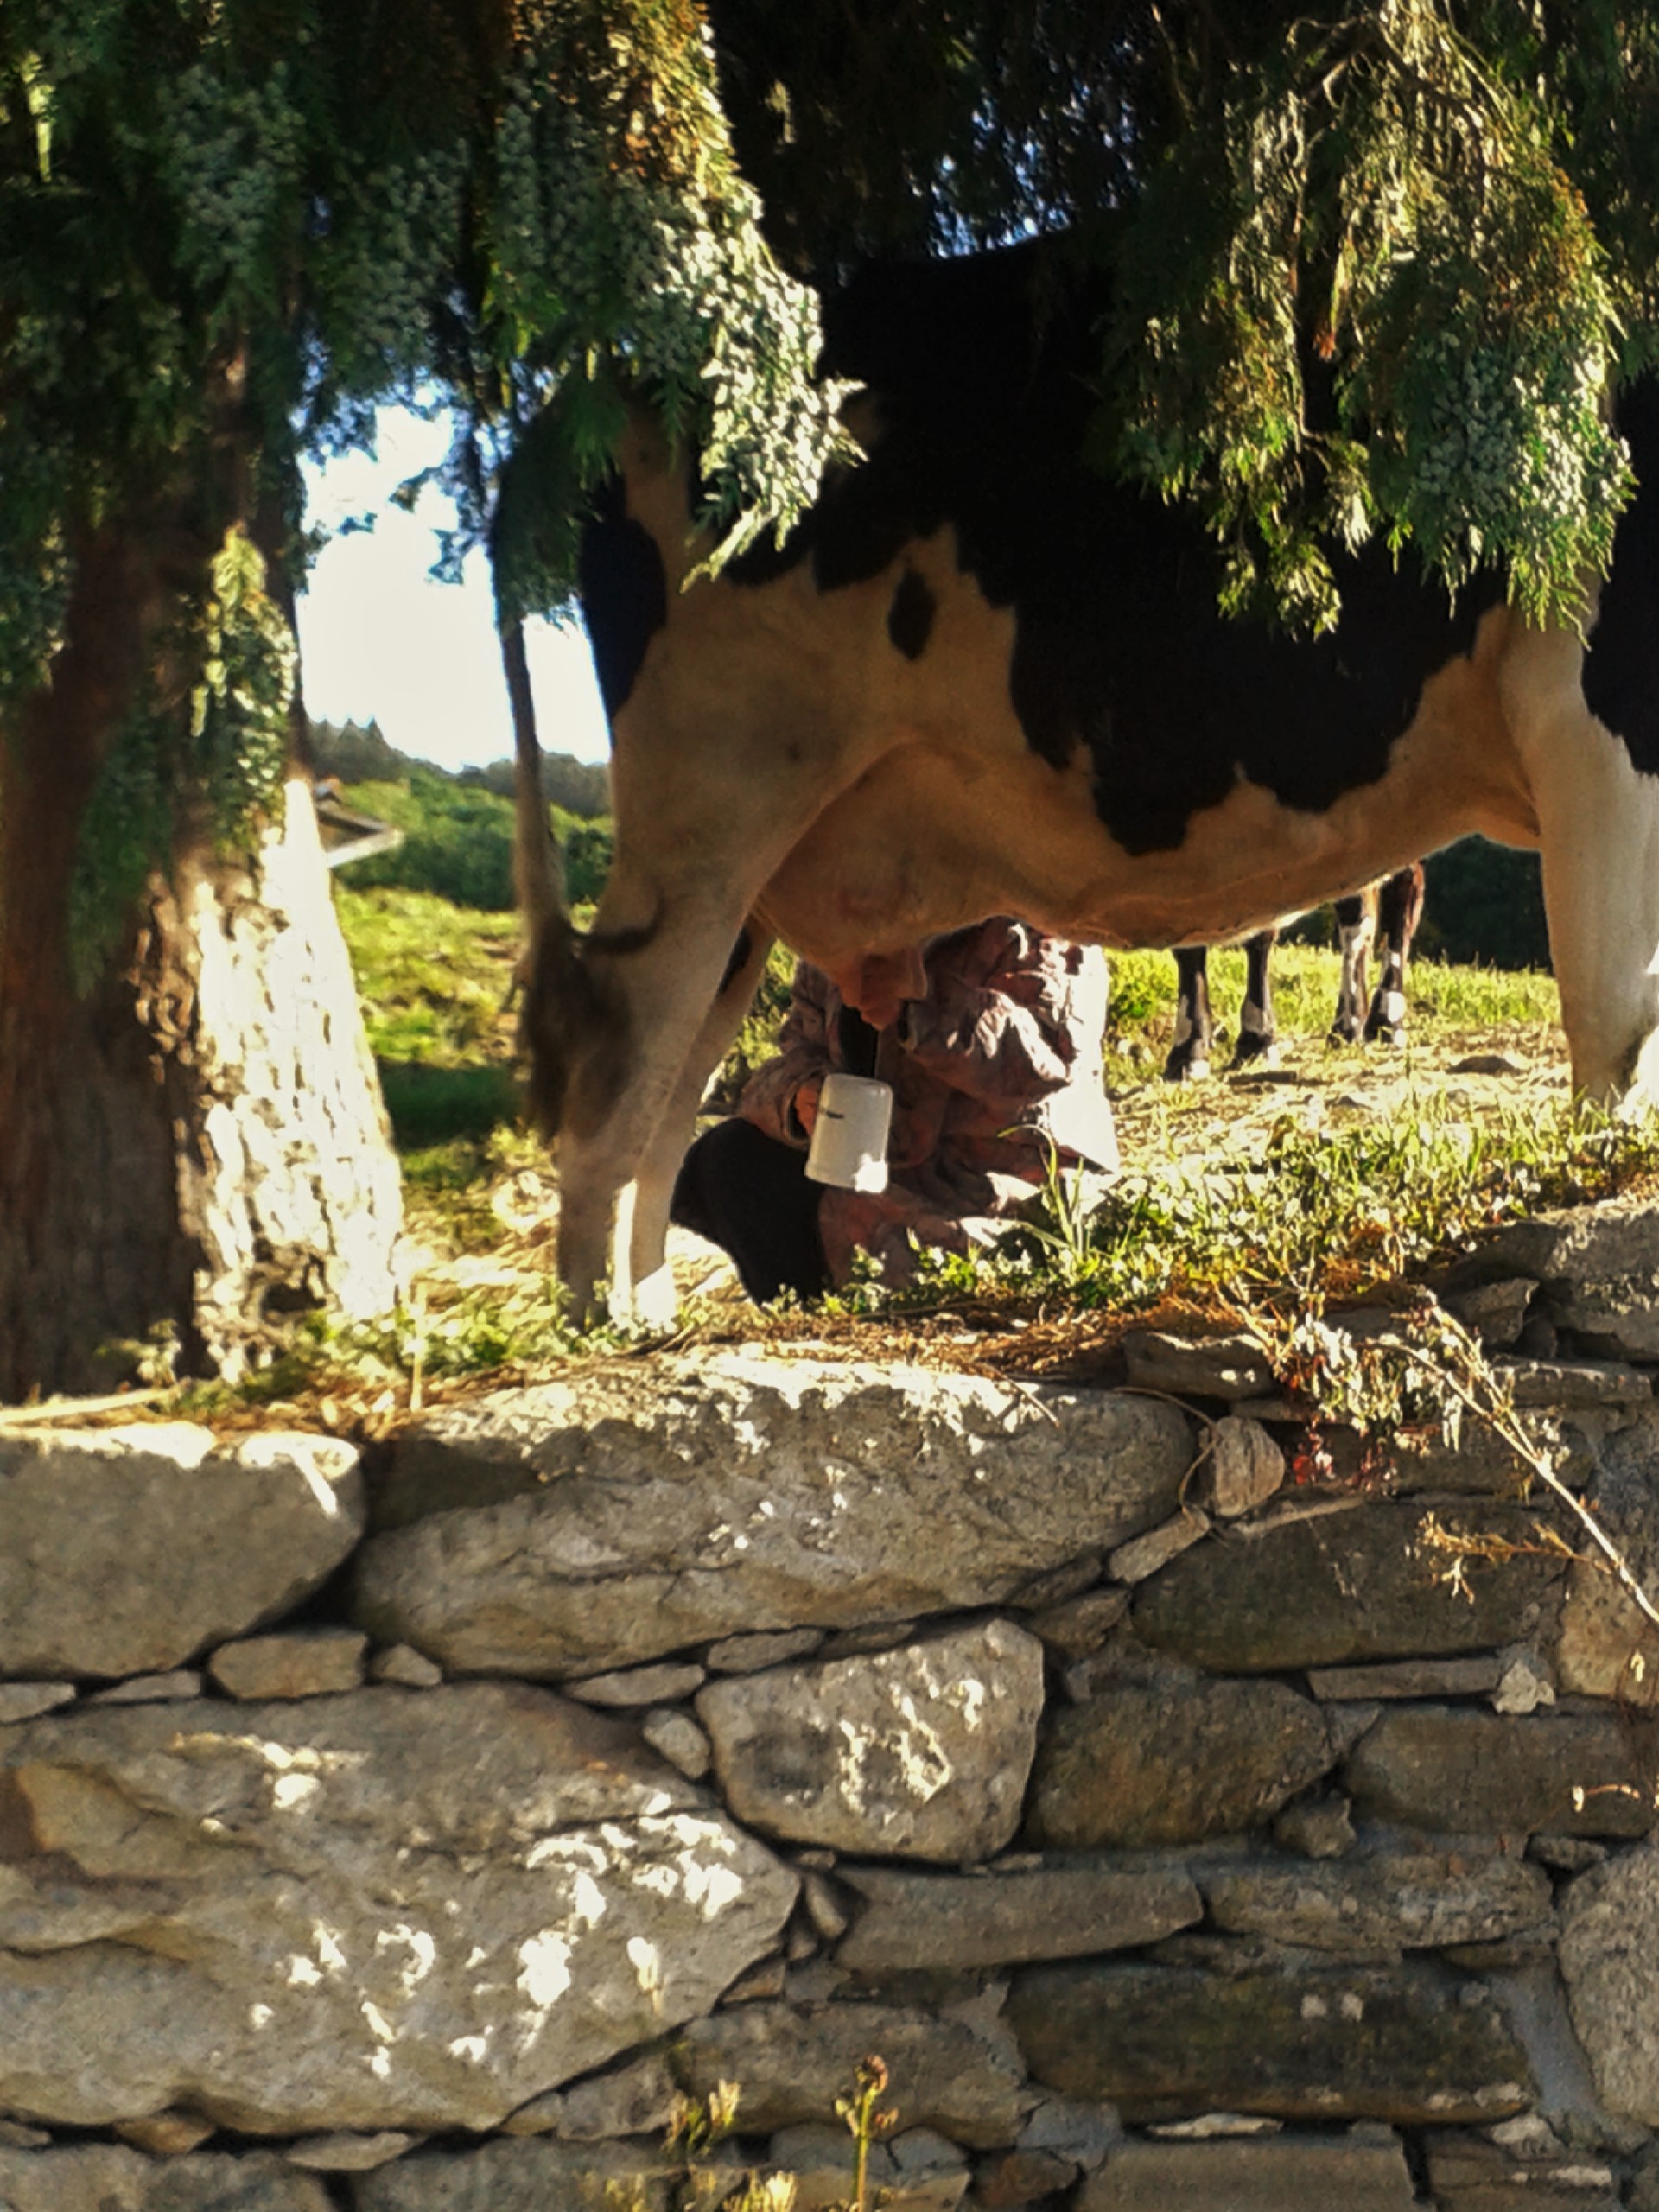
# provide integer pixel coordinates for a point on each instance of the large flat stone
(1405, 1678)
(1380, 1901)
(1469, 2174)
(308, 1662)
(369, 1911)
(917, 1752)
(1198, 1367)
(1424, 1462)
(1165, 1756)
(1065, 1911)
(1285, 2174)
(1617, 1237)
(1311, 2044)
(792, 2062)
(125, 1551)
(108, 2177)
(1608, 1646)
(531, 2174)
(1610, 1961)
(1598, 1267)
(920, 2172)
(1346, 1587)
(1555, 1383)
(1441, 1767)
(610, 1519)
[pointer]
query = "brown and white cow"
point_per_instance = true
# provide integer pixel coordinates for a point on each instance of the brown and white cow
(983, 678)
(1390, 911)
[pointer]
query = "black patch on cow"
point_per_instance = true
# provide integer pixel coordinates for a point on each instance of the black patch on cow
(1621, 670)
(624, 592)
(984, 377)
(910, 618)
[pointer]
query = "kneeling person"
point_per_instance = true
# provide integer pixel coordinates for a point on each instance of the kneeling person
(999, 1062)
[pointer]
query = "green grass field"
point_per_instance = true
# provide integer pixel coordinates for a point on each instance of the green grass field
(1304, 979)
(1344, 1171)
(436, 978)
(436, 983)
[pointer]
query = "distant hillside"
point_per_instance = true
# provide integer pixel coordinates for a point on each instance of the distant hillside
(457, 829)
(359, 753)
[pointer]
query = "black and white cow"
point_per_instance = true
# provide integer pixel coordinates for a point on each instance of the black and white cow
(1387, 918)
(983, 678)
(1188, 1060)
(1390, 911)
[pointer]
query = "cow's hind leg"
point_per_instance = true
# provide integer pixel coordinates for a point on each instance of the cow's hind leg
(1189, 1056)
(1356, 927)
(1597, 818)
(1258, 1033)
(642, 1231)
(1399, 909)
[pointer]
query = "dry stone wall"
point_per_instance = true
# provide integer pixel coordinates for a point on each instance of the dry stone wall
(1184, 1837)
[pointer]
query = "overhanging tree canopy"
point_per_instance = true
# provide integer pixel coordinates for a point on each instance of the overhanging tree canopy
(1372, 270)
(1374, 266)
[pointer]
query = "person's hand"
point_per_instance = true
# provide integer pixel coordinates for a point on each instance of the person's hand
(804, 1104)
(887, 981)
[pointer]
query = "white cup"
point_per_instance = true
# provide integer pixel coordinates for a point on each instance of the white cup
(849, 1137)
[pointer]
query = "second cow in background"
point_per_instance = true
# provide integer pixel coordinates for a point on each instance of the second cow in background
(1387, 911)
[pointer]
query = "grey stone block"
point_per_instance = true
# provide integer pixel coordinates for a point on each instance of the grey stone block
(599, 1522)
(1286, 2174)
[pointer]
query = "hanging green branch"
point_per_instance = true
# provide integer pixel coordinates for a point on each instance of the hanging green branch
(1391, 312)
(626, 262)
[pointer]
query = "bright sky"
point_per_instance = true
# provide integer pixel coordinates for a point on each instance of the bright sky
(380, 641)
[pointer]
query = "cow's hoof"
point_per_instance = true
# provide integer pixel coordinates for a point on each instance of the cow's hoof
(1179, 1069)
(652, 1304)
(1386, 1021)
(1260, 1053)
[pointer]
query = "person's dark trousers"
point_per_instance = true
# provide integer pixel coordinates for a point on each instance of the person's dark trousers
(747, 1193)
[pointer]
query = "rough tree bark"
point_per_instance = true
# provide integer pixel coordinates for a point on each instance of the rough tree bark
(197, 1145)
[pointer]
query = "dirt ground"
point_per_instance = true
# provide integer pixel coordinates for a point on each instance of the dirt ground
(1489, 1073)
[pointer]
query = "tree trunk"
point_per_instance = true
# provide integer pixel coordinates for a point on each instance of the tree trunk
(196, 1148)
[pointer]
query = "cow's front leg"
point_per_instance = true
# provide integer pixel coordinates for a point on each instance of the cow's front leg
(1597, 818)
(1189, 1056)
(624, 1013)
(647, 1290)
(1258, 1034)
